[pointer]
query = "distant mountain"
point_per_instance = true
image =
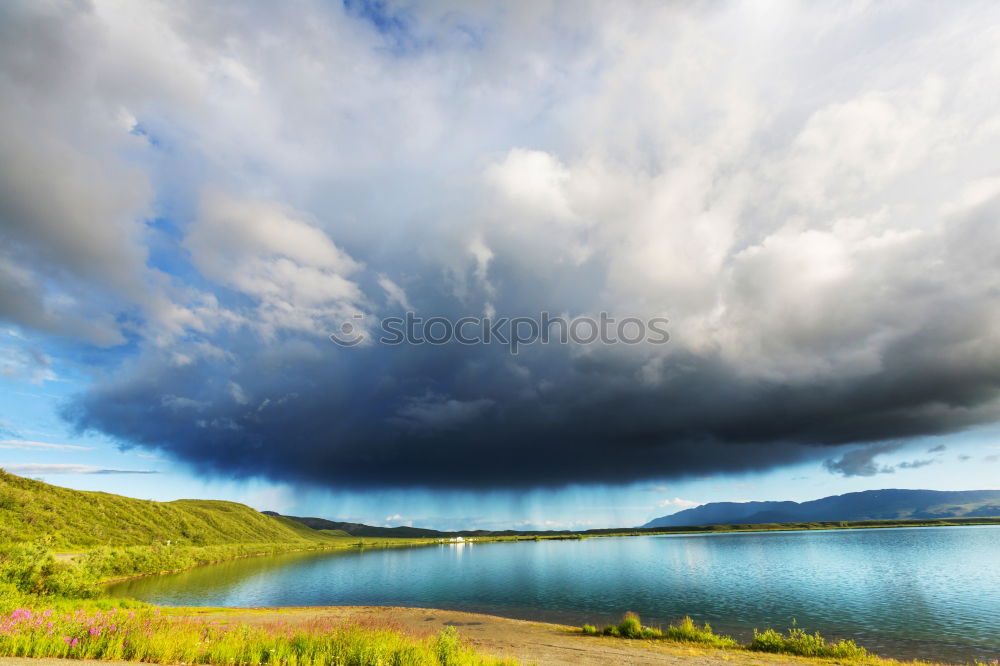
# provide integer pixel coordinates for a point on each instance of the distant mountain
(868, 505)
(361, 530)
(890, 504)
(358, 529)
(401, 532)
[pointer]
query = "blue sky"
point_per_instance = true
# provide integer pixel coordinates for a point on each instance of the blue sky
(192, 200)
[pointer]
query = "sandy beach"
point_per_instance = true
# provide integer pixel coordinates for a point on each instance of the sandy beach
(531, 642)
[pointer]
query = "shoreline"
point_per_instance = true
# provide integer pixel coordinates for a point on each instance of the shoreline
(505, 636)
(410, 542)
(493, 638)
(69, 557)
(541, 643)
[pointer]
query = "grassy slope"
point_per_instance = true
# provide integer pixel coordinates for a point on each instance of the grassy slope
(119, 537)
(31, 511)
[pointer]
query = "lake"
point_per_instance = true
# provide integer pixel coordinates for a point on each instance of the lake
(931, 593)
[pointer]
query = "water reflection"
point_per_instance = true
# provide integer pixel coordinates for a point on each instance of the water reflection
(927, 593)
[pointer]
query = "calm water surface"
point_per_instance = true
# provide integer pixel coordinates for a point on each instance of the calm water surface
(932, 593)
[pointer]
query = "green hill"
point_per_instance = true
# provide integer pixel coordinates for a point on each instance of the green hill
(359, 529)
(31, 511)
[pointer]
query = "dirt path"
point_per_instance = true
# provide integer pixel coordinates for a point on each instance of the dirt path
(530, 642)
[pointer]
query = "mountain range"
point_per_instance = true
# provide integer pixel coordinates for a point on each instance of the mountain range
(361, 530)
(888, 504)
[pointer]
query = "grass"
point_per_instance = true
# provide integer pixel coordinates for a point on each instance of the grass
(685, 631)
(796, 641)
(146, 635)
(113, 537)
(32, 569)
(65, 519)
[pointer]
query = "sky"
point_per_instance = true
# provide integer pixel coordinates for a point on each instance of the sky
(194, 197)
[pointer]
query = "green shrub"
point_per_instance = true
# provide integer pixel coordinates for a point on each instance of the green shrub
(630, 627)
(11, 597)
(797, 641)
(687, 631)
(30, 569)
(447, 646)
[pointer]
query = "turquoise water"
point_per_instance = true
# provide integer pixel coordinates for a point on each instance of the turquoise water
(932, 593)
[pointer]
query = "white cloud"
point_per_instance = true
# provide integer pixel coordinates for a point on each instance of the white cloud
(795, 218)
(277, 256)
(24, 469)
(24, 361)
(397, 520)
(534, 183)
(642, 168)
(238, 394)
(679, 503)
(394, 293)
(39, 446)
(848, 150)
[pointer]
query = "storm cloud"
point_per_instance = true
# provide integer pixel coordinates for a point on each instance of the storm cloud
(194, 198)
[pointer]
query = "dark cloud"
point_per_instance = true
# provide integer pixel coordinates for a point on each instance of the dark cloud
(915, 464)
(458, 416)
(861, 462)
